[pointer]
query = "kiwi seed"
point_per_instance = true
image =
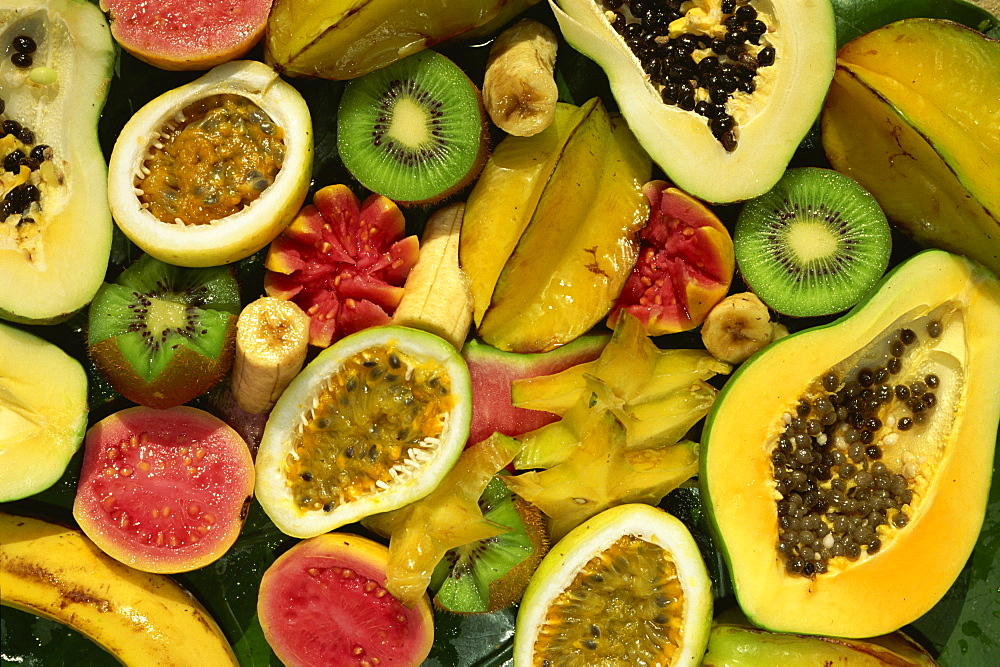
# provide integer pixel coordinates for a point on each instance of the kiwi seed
(413, 131)
(813, 245)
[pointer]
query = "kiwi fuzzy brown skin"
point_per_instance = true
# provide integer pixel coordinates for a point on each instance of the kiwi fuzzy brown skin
(119, 317)
(352, 143)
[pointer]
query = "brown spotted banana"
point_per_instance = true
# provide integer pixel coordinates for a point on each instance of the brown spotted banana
(519, 87)
(738, 326)
(272, 338)
(140, 618)
(437, 296)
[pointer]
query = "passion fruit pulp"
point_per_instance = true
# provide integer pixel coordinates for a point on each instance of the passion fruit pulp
(373, 423)
(635, 574)
(211, 172)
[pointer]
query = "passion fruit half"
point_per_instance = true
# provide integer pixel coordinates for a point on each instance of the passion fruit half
(635, 574)
(211, 172)
(373, 423)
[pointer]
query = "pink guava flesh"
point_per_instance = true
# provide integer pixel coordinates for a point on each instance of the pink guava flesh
(324, 602)
(187, 30)
(163, 490)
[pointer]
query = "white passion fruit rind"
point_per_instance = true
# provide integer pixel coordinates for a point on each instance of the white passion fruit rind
(666, 620)
(770, 121)
(212, 171)
(373, 423)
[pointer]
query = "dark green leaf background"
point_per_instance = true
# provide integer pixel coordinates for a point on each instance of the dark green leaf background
(963, 629)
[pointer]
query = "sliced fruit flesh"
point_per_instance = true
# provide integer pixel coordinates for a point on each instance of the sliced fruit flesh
(608, 615)
(739, 50)
(371, 425)
(854, 460)
(212, 160)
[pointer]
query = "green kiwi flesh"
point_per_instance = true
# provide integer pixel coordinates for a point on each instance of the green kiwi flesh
(814, 244)
(492, 574)
(413, 131)
(161, 335)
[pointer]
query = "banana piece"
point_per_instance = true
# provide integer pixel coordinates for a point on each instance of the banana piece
(140, 618)
(437, 296)
(272, 338)
(519, 88)
(738, 326)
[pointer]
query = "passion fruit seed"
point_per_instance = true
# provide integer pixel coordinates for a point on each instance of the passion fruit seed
(210, 161)
(696, 67)
(837, 495)
(611, 615)
(371, 426)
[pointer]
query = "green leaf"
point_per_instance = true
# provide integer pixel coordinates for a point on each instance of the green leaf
(857, 17)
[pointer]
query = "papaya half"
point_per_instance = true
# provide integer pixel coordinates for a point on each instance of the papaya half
(846, 468)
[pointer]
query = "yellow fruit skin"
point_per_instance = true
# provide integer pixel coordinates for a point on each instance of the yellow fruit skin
(903, 121)
(579, 246)
(343, 39)
(140, 618)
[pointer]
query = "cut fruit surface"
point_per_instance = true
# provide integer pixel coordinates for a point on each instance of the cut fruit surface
(211, 172)
(43, 412)
(55, 225)
(164, 490)
(414, 131)
(371, 424)
(627, 587)
(343, 262)
(867, 448)
(324, 602)
(186, 34)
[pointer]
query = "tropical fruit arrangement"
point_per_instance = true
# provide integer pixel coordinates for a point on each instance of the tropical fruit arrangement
(579, 332)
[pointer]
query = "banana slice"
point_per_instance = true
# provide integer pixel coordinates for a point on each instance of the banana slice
(272, 337)
(138, 617)
(519, 87)
(738, 326)
(437, 296)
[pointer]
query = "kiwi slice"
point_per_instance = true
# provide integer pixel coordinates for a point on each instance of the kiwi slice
(414, 131)
(161, 335)
(814, 244)
(492, 574)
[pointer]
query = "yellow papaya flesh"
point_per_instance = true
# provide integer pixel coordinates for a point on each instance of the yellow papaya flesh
(888, 518)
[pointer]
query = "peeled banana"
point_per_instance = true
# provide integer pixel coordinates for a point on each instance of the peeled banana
(519, 87)
(738, 326)
(272, 338)
(138, 617)
(437, 296)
